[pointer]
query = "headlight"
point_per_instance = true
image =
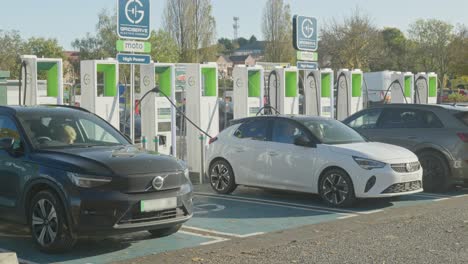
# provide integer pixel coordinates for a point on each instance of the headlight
(87, 181)
(369, 164)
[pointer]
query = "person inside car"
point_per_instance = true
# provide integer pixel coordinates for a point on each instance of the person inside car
(67, 135)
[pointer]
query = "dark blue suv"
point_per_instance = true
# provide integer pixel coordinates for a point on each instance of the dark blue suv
(65, 172)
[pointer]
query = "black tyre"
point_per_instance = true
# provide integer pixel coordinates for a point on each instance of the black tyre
(336, 188)
(49, 227)
(222, 177)
(436, 172)
(165, 231)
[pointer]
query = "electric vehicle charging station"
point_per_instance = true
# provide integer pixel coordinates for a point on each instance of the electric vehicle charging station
(425, 86)
(283, 91)
(3, 88)
(349, 98)
(54, 88)
(403, 91)
(397, 85)
(318, 93)
(105, 105)
(158, 116)
(202, 109)
(248, 82)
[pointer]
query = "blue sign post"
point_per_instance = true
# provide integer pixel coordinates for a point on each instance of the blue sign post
(306, 65)
(124, 58)
(133, 20)
(305, 33)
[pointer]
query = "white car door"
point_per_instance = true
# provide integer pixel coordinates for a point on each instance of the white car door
(248, 151)
(290, 166)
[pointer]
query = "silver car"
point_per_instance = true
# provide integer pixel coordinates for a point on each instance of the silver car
(438, 134)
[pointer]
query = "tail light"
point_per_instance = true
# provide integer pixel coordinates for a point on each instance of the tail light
(463, 137)
(213, 139)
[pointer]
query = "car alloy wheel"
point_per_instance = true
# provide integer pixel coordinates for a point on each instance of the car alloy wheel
(44, 222)
(335, 189)
(220, 177)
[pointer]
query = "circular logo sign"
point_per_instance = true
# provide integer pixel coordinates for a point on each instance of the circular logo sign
(86, 79)
(158, 183)
(133, 12)
(146, 81)
(191, 81)
(239, 82)
(307, 28)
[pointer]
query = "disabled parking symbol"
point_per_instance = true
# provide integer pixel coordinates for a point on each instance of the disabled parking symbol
(207, 208)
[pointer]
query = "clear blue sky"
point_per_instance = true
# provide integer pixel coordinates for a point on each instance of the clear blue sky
(70, 19)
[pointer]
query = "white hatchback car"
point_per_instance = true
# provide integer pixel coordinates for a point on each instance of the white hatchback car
(310, 154)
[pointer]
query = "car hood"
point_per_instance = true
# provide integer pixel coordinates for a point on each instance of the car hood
(375, 151)
(120, 160)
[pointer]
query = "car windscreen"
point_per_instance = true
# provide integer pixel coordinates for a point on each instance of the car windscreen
(63, 129)
(332, 132)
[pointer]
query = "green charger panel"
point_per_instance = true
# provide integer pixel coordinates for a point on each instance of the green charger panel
(326, 85)
(432, 86)
(408, 83)
(3, 88)
(291, 84)
(110, 83)
(165, 79)
(254, 83)
(356, 85)
(209, 78)
(52, 71)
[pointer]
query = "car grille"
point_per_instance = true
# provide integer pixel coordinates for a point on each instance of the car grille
(406, 167)
(403, 187)
(142, 183)
(136, 216)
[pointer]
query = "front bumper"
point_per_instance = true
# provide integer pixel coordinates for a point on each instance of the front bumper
(387, 183)
(101, 213)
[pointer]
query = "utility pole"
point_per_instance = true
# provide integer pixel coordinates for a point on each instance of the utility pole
(236, 27)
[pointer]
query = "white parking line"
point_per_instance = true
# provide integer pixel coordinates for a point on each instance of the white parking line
(215, 238)
(22, 261)
(461, 195)
(433, 195)
(222, 233)
(281, 204)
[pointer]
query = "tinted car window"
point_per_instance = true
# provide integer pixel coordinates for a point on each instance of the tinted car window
(409, 118)
(366, 120)
(256, 130)
(8, 129)
(463, 117)
(332, 132)
(286, 132)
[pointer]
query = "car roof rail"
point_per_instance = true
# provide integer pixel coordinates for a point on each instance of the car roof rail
(70, 106)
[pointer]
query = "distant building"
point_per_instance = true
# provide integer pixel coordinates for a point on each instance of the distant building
(255, 49)
(242, 60)
(224, 64)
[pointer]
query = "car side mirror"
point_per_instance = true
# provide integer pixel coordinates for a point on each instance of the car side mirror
(302, 141)
(7, 144)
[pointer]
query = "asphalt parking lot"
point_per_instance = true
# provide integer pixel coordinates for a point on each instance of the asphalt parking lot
(247, 212)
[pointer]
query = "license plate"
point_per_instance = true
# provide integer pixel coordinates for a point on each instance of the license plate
(158, 204)
(410, 177)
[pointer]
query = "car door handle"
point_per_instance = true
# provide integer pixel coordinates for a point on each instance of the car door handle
(272, 153)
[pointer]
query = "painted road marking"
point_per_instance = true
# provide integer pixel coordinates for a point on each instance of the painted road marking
(279, 203)
(215, 239)
(222, 233)
(20, 260)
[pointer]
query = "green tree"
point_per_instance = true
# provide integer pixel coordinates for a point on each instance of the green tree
(396, 52)
(277, 31)
(242, 41)
(252, 39)
(433, 38)
(355, 43)
(163, 47)
(42, 47)
(458, 52)
(11, 47)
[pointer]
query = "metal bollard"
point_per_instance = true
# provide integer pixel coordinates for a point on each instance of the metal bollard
(144, 143)
(156, 143)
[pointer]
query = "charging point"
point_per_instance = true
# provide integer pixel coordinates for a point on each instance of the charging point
(103, 100)
(3, 88)
(425, 88)
(157, 114)
(285, 96)
(35, 94)
(202, 109)
(318, 93)
(349, 99)
(248, 89)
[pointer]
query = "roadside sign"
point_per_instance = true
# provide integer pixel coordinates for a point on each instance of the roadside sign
(133, 46)
(133, 19)
(305, 33)
(306, 65)
(133, 58)
(307, 55)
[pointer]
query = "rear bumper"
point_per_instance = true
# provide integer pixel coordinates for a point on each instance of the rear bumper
(98, 213)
